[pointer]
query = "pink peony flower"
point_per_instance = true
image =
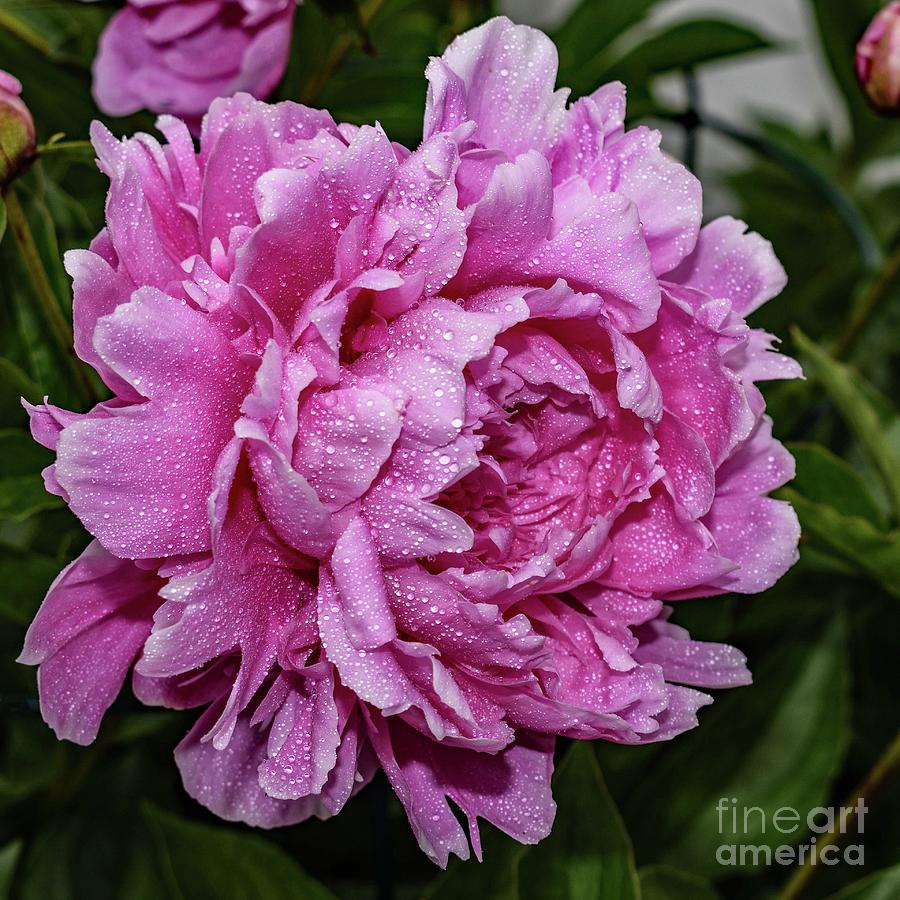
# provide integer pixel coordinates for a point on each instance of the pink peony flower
(177, 56)
(878, 60)
(409, 451)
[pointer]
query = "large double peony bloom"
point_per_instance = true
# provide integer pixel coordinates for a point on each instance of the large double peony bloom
(408, 450)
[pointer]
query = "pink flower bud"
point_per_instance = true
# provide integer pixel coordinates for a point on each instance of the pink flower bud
(16, 128)
(878, 60)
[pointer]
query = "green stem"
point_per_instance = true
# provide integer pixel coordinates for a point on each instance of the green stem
(877, 292)
(31, 258)
(17, 28)
(20, 29)
(869, 790)
(66, 147)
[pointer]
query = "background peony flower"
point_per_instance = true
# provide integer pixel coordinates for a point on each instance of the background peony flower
(17, 135)
(410, 452)
(878, 60)
(177, 56)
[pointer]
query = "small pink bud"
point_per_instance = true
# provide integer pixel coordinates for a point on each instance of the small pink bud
(16, 128)
(878, 60)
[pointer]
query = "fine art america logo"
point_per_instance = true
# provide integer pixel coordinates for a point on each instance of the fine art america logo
(762, 838)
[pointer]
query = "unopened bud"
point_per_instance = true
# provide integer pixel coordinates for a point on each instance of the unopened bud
(878, 61)
(16, 129)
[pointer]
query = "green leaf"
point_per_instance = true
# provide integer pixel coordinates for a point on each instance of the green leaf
(25, 578)
(137, 726)
(42, 78)
(18, 383)
(367, 66)
(15, 384)
(32, 758)
(585, 39)
(312, 42)
(2, 218)
(9, 856)
(686, 45)
(203, 861)
(90, 840)
(497, 878)
(851, 397)
(825, 478)
(29, 341)
(24, 495)
(867, 549)
(781, 205)
(776, 743)
(80, 854)
(21, 454)
(588, 853)
(666, 883)
(883, 885)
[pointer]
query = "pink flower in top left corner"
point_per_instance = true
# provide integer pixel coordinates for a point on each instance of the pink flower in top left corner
(177, 56)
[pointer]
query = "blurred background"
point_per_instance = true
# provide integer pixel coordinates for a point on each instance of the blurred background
(761, 101)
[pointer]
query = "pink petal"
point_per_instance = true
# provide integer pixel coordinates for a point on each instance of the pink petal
(292, 252)
(265, 57)
(758, 465)
(344, 438)
(85, 637)
(697, 386)
(507, 72)
(423, 357)
(690, 476)
(289, 503)
(225, 780)
(589, 123)
(667, 195)
(376, 676)
(601, 249)
(604, 251)
(636, 387)
(195, 688)
(223, 608)
(421, 210)
(474, 634)
(98, 289)
(758, 360)
(411, 528)
(359, 580)
(759, 534)
(731, 262)
(654, 551)
(148, 228)
(179, 58)
(699, 663)
(238, 145)
(48, 421)
(304, 736)
(511, 219)
(140, 479)
(510, 789)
